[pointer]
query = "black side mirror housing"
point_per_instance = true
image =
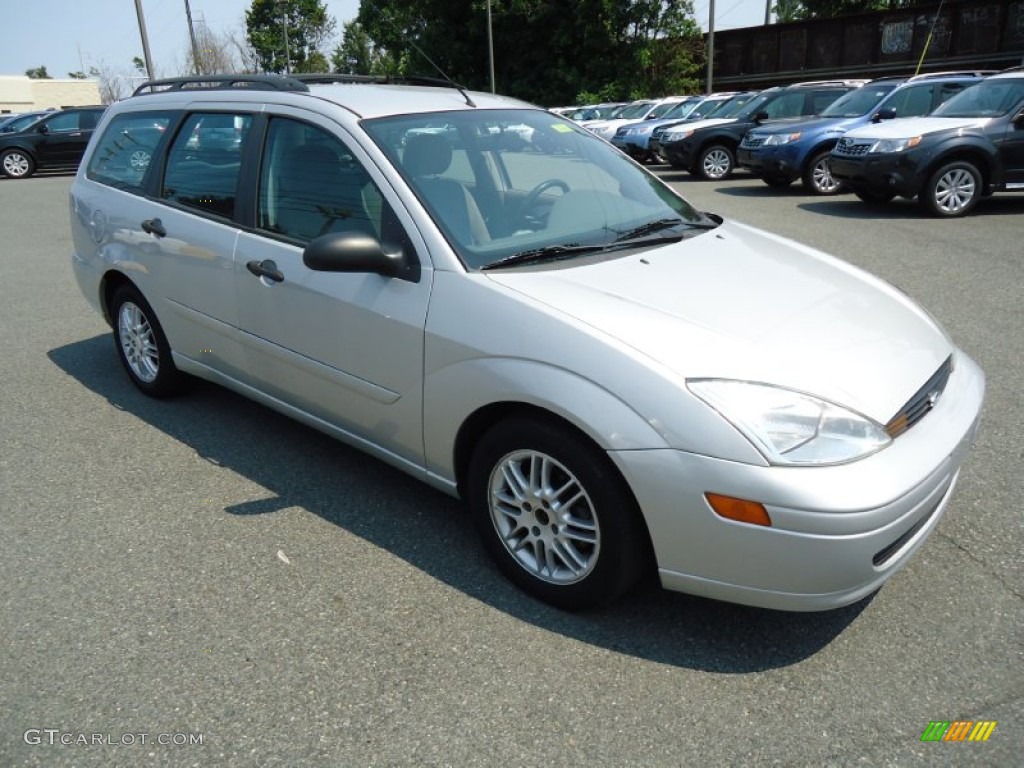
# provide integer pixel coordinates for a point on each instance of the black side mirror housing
(43, 128)
(885, 113)
(760, 116)
(359, 252)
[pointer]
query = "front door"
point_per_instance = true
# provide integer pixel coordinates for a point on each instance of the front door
(346, 348)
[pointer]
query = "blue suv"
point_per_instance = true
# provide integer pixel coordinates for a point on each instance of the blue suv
(799, 148)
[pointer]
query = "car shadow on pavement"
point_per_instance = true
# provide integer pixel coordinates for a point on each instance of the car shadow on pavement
(303, 468)
(849, 207)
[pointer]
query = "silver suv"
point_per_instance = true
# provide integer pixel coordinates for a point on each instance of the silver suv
(501, 304)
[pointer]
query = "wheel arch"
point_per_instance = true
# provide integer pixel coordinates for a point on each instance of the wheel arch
(975, 155)
(109, 283)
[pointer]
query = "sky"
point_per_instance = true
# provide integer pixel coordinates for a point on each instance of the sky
(74, 35)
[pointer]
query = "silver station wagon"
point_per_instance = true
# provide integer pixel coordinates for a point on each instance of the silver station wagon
(488, 297)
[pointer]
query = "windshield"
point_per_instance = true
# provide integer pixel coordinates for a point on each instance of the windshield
(502, 183)
(21, 122)
(756, 105)
(682, 109)
(858, 102)
(733, 106)
(663, 109)
(633, 111)
(989, 98)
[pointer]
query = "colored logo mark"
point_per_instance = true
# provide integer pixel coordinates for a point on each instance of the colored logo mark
(958, 730)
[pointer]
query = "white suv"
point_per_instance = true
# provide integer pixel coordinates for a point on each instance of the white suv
(497, 302)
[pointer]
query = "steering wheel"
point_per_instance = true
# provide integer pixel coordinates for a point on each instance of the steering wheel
(530, 201)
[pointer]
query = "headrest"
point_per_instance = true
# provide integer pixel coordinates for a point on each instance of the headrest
(426, 154)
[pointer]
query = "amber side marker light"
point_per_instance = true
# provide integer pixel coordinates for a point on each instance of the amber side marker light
(740, 510)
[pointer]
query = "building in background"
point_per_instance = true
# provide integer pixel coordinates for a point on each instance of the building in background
(19, 93)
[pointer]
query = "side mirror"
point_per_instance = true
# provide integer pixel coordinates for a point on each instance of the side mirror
(1018, 119)
(44, 128)
(359, 252)
(760, 116)
(885, 113)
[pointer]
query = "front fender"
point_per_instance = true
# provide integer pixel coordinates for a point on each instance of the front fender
(454, 393)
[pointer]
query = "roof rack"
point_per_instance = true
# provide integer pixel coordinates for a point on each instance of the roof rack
(806, 83)
(316, 78)
(254, 82)
(955, 73)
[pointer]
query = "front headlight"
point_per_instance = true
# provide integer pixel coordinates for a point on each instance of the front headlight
(791, 428)
(678, 135)
(777, 139)
(885, 146)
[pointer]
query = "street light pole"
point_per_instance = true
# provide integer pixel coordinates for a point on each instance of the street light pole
(192, 35)
(490, 44)
(711, 42)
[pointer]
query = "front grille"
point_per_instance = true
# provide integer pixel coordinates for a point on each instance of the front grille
(752, 142)
(923, 401)
(849, 148)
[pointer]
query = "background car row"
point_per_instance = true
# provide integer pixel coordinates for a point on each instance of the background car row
(52, 140)
(781, 135)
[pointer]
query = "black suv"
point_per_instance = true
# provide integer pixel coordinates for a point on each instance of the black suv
(54, 142)
(971, 146)
(707, 148)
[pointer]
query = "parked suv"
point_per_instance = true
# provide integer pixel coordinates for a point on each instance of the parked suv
(971, 146)
(707, 148)
(56, 140)
(615, 382)
(799, 148)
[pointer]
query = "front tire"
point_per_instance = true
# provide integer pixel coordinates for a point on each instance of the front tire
(818, 178)
(142, 346)
(555, 515)
(716, 163)
(953, 190)
(17, 164)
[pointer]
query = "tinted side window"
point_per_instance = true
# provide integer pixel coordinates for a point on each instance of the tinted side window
(126, 147)
(912, 101)
(66, 121)
(311, 185)
(821, 99)
(204, 161)
(787, 105)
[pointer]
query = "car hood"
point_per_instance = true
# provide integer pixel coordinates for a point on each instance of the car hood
(914, 126)
(803, 125)
(739, 303)
(692, 125)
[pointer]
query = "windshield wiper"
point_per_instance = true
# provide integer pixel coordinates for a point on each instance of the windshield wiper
(658, 225)
(538, 255)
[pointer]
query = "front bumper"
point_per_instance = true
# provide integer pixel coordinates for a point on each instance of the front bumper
(893, 173)
(634, 146)
(679, 153)
(769, 162)
(838, 532)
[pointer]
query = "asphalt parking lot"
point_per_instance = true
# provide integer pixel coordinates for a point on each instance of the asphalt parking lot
(204, 570)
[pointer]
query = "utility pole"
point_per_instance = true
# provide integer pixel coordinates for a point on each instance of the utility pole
(490, 44)
(284, 24)
(767, 12)
(711, 42)
(192, 34)
(145, 39)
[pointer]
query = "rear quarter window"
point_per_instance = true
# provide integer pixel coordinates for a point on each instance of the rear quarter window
(124, 151)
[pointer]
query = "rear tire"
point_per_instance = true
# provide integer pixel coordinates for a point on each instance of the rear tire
(818, 178)
(953, 190)
(555, 515)
(142, 346)
(17, 164)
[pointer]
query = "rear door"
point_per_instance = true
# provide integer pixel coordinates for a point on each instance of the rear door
(1011, 149)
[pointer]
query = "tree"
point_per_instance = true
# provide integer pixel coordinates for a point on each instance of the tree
(546, 51)
(357, 55)
(798, 10)
(77, 75)
(111, 82)
(38, 73)
(216, 54)
(309, 27)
